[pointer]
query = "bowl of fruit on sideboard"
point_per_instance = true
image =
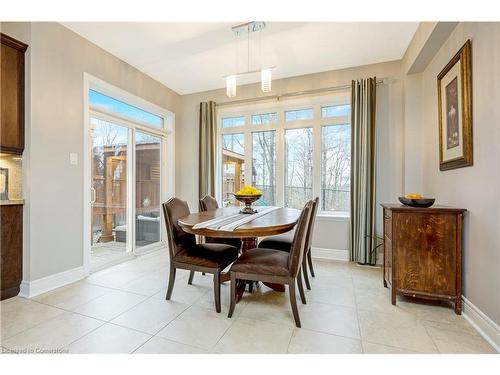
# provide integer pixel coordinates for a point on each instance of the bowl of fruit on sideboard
(416, 200)
(248, 195)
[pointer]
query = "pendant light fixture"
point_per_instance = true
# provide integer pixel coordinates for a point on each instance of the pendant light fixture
(265, 73)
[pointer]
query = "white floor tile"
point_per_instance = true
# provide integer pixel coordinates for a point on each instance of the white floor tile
(402, 331)
(310, 342)
(19, 314)
(332, 319)
(196, 327)
(109, 338)
(110, 305)
(53, 334)
(73, 295)
(151, 315)
(158, 345)
(252, 336)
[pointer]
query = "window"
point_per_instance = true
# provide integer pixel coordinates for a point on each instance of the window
(300, 114)
(336, 110)
(265, 118)
(292, 150)
(232, 122)
(298, 166)
(264, 166)
(109, 104)
(335, 167)
(233, 167)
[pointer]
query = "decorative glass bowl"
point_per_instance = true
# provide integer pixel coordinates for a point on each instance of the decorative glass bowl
(247, 200)
(417, 202)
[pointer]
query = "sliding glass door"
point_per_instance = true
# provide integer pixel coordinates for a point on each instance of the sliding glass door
(125, 190)
(109, 192)
(147, 189)
(129, 153)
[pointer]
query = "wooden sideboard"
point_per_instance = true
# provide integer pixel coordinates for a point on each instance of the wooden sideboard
(423, 252)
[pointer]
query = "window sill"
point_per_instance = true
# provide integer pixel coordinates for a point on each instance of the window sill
(333, 216)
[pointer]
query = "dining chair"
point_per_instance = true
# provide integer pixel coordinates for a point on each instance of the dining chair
(208, 203)
(186, 254)
(275, 266)
(283, 242)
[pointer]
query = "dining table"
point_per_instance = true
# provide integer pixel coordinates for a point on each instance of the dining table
(271, 221)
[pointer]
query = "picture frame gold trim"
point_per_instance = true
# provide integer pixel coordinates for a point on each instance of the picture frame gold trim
(463, 56)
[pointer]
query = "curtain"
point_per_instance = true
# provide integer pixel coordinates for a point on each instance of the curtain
(363, 234)
(207, 149)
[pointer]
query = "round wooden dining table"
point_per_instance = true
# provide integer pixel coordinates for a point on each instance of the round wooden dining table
(274, 222)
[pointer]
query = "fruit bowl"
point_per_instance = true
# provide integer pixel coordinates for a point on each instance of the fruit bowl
(247, 200)
(417, 202)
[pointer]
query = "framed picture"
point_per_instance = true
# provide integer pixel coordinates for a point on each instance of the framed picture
(455, 111)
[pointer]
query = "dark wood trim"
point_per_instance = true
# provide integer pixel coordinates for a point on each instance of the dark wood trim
(14, 43)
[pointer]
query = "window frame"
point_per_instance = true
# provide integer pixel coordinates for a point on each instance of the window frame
(280, 107)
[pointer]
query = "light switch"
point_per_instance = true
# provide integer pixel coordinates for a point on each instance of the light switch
(73, 158)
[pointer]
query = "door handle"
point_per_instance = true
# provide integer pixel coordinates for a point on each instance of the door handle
(92, 195)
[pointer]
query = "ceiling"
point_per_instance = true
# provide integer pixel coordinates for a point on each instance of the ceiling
(194, 57)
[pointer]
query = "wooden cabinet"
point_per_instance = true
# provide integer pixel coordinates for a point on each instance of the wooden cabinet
(12, 95)
(11, 228)
(423, 252)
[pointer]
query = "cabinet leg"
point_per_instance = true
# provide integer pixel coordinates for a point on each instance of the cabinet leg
(458, 306)
(385, 284)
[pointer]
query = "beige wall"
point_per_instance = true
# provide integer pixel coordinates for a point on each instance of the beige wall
(330, 234)
(475, 188)
(54, 188)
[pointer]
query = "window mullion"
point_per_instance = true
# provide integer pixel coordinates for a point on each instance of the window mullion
(280, 161)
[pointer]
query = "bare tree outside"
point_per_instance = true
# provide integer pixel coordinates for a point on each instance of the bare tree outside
(298, 166)
(335, 167)
(264, 166)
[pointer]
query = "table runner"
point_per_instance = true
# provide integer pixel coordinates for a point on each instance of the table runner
(233, 221)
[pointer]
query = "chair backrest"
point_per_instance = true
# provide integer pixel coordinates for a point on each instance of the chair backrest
(299, 240)
(208, 203)
(178, 239)
(310, 228)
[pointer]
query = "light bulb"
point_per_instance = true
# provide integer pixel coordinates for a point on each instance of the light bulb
(265, 80)
(231, 86)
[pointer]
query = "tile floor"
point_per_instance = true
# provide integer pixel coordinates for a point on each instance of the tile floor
(122, 310)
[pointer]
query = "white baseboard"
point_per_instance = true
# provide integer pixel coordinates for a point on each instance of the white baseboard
(483, 325)
(45, 284)
(332, 254)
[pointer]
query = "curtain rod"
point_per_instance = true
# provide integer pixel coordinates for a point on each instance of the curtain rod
(292, 94)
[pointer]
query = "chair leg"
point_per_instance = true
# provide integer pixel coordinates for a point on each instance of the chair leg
(293, 302)
(217, 291)
(191, 276)
(233, 295)
(301, 288)
(310, 261)
(171, 281)
(304, 272)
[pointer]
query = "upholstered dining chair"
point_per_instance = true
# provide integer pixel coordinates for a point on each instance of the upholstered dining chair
(208, 203)
(186, 254)
(275, 266)
(283, 242)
